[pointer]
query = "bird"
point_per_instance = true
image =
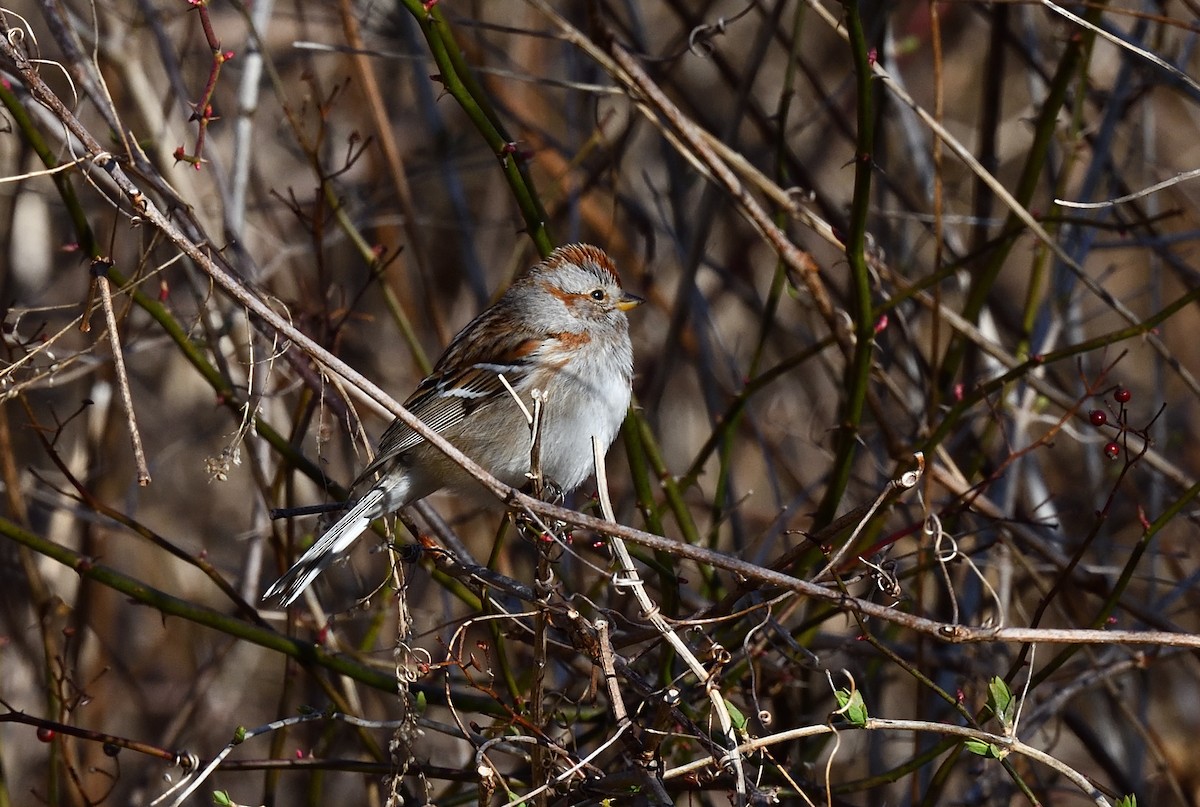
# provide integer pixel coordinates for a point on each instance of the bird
(559, 329)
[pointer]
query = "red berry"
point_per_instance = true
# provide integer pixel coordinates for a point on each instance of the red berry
(1112, 451)
(1122, 395)
(45, 734)
(1097, 417)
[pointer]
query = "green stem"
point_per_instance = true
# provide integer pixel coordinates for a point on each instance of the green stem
(952, 420)
(1043, 137)
(307, 653)
(169, 605)
(455, 75)
(859, 372)
(1114, 597)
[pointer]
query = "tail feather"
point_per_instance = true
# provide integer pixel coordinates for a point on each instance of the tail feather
(321, 554)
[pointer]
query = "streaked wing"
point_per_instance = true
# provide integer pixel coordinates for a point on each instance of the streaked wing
(464, 379)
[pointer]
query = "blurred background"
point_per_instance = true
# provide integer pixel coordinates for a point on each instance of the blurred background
(377, 172)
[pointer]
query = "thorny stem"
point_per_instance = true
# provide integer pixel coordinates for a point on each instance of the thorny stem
(858, 373)
(203, 111)
(459, 82)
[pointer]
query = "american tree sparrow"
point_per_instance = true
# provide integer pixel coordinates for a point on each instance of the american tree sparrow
(559, 328)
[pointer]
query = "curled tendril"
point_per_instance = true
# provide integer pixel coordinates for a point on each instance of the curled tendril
(186, 761)
(16, 36)
(700, 39)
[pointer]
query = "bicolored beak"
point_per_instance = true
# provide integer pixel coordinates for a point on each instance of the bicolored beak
(629, 301)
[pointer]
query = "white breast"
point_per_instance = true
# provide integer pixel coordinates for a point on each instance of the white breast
(591, 399)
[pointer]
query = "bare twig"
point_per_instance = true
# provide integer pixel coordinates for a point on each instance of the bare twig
(627, 577)
(114, 340)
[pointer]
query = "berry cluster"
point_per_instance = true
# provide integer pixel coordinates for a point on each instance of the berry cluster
(1099, 419)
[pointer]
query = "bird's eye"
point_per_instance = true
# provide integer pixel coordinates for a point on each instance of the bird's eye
(598, 294)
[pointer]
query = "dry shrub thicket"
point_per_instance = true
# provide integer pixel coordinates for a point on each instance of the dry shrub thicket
(833, 287)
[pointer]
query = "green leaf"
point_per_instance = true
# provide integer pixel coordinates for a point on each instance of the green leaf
(1127, 801)
(735, 715)
(981, 748)
(221, 798)
(852, 707)
(1002, 702)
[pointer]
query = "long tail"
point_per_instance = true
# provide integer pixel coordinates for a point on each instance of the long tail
(321, 554)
